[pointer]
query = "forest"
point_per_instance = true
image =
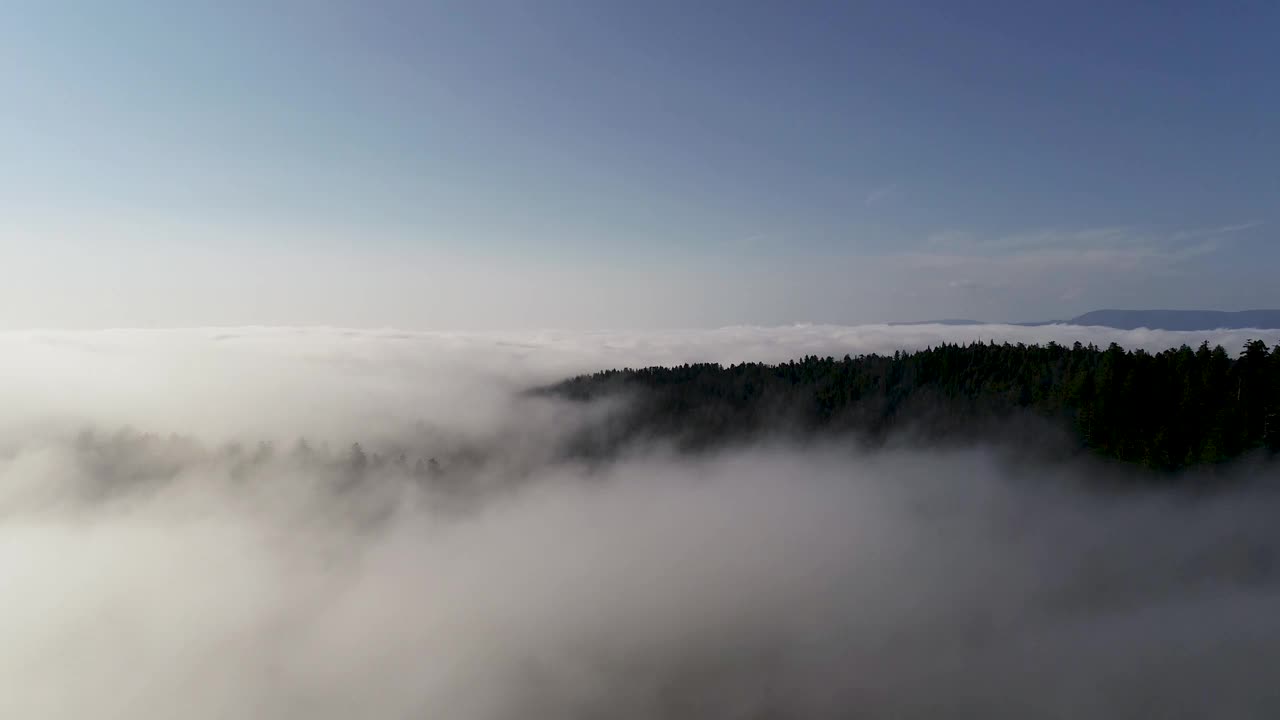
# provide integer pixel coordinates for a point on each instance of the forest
(1165, 411)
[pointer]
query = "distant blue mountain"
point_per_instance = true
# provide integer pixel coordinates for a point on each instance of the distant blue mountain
(1153, 320)
(1181, 319)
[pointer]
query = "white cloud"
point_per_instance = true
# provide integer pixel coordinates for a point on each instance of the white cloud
(156, 578)
(322, 380)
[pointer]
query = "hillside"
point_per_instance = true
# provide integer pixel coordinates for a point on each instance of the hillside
(1165, 411)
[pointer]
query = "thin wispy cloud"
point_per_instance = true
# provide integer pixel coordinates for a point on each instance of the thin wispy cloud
(882, 194)
(1045, 273)
(1219, 231)
(977, 260)
(962, 242)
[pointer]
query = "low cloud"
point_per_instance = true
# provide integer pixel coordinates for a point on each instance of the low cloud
(167, 572)
(340, 385)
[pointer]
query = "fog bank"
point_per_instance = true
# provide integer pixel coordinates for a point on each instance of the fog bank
(165, 572)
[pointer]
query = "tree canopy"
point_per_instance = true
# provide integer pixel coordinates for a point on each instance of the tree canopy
(1166, 410)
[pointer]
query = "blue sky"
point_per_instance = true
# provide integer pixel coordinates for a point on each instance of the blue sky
(614, 164)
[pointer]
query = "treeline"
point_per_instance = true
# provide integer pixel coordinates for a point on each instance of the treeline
(127, 460)
(1166, 410)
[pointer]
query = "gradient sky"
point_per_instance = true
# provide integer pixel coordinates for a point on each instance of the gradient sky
(478, 165)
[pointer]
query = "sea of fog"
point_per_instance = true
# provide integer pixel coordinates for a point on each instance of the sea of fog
(186, 532)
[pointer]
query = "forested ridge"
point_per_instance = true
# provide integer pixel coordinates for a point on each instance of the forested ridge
(1168, 410)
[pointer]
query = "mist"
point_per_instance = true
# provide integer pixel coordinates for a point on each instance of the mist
(187, 530)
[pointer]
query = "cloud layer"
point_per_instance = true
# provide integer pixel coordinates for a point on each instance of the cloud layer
(339, 382)
(154, 576)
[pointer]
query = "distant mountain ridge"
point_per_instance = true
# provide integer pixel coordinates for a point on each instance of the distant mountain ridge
(1181, 319)
(1154, 320)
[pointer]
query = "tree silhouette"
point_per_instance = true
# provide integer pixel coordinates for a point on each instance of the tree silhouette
(1165, 410)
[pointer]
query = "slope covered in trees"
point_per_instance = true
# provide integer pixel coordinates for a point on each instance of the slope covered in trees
(1166, 411)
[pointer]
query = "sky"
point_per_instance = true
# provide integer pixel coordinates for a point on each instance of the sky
(511, 165)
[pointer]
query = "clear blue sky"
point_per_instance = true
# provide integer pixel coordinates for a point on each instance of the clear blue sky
(611, 164)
